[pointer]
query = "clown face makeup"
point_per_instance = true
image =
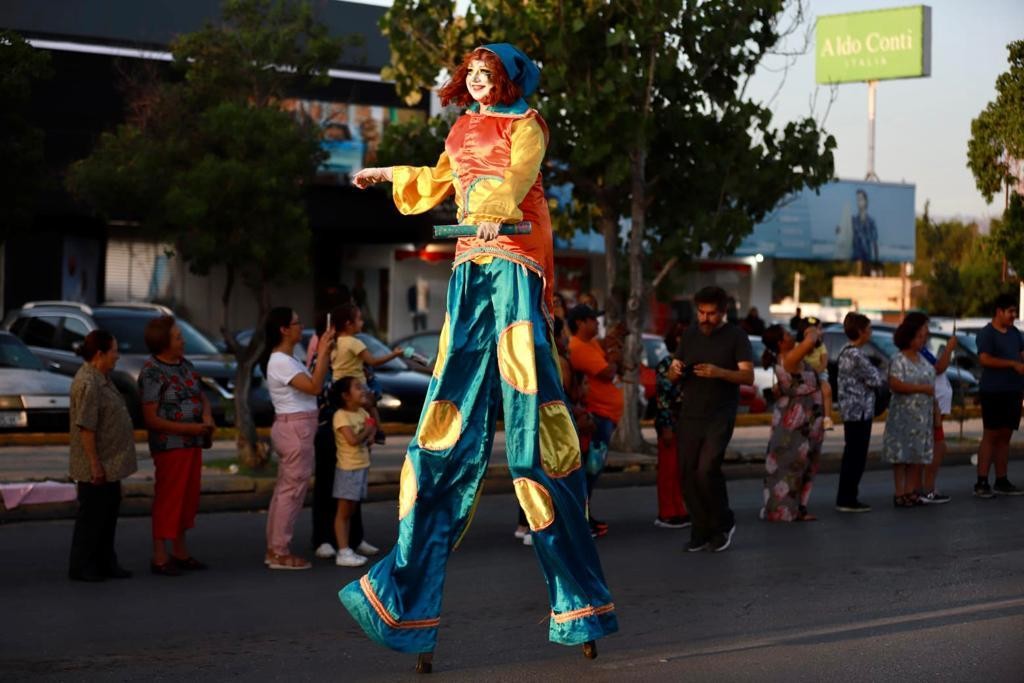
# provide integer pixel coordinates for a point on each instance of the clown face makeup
(478, 81)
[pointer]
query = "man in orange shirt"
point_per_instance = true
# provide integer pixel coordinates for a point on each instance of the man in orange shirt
(603, 399)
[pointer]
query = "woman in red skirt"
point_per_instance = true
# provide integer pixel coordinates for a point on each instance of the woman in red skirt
(179, 419)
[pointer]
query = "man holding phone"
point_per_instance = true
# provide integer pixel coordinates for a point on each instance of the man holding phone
(713, 358)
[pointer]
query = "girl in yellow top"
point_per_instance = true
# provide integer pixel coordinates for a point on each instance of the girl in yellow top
(351, 358)
(353, 433)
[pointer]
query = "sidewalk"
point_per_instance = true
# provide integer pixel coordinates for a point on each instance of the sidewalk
(223, 490)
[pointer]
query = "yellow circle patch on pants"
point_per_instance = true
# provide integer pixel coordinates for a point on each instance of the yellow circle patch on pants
(536, 503)
(516, 360)
(440, 427)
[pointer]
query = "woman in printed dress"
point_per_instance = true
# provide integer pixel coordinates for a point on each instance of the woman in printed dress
(797, 428)
(908, 442)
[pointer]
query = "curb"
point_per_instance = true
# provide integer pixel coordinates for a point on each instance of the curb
(227, 492)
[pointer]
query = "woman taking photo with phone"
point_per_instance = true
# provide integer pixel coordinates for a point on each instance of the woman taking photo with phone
(293, 391)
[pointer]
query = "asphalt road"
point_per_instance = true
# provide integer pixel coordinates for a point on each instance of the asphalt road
(929, 594)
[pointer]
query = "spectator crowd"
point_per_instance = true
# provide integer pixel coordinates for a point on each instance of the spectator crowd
(326, 424)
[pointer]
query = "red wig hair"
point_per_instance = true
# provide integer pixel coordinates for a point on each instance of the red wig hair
(504, 91)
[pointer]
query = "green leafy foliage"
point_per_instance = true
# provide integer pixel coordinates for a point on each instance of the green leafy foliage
(647, 117)
(22, 172)
(213, 165)
(958, 266)
(210, 162)
(997, 134)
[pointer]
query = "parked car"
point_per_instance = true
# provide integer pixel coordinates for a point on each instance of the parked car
(31, 398)
(54, 329)
(404, 388)
(424, 349)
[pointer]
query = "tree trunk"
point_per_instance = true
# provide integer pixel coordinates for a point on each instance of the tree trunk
(609, 223)
(628, 437)
(251, 452)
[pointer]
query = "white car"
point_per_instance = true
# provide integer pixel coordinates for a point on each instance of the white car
(764, 378)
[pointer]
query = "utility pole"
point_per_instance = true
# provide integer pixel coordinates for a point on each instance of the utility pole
(796, 287)
(872, 96)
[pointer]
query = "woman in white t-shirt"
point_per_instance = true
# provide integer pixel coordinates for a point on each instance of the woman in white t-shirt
(293, 392)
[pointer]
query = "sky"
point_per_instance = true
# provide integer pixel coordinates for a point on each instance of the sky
(922, 124)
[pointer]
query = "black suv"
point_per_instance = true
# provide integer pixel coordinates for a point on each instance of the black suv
(54, 329)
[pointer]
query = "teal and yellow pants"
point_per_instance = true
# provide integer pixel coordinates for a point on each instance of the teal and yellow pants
(494, 346)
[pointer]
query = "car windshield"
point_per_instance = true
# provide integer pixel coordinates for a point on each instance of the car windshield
(129, 327)
(885, 344)
(377, 348)
(14, 354)
(968, 342)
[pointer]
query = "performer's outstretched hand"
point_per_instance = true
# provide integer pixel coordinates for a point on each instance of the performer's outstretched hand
(371, 176)
(486, 230)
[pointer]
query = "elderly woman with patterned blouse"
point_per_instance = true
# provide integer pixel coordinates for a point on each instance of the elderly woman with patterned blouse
(858, 380)
(179, 419)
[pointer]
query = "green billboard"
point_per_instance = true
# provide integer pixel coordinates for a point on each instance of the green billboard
(874, 45)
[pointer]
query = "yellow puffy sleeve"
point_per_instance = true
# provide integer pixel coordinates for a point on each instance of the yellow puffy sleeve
(418, 189)
(527, 153)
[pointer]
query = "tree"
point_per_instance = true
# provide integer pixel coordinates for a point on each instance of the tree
(995, 155)
(212, 164)
(21, 144)
(996, 147)
(648, 120)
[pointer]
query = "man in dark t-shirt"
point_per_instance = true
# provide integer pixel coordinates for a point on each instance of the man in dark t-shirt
(712, 360)
(1001, 352)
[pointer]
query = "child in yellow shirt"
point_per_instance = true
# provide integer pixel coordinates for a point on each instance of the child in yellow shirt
(350, 357)
(353, 433)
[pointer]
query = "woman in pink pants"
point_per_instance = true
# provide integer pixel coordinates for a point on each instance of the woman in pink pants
(293, 391)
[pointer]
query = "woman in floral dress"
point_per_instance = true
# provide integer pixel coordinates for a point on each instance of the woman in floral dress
(797, 428)
(909, 432)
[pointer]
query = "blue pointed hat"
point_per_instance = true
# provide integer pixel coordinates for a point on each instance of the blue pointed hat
(520, 69)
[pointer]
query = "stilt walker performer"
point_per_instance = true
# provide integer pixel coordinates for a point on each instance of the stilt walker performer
(496, 345)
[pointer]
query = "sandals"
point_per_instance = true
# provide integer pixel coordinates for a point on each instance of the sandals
(189, 564)
(168, 568)
(287, 562)
(906, 501)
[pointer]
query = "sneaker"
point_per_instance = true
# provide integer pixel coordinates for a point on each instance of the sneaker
(521, 533)
(598, 524)
(598, 532)
(1003, 487)
(528, 539)
(983, 490)
(672, 522)
(723, 541)
(365, 548)
(346, 557)
(326, 551)
(935, 498)
(855, 506)
(827, 424)
(695, 546)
